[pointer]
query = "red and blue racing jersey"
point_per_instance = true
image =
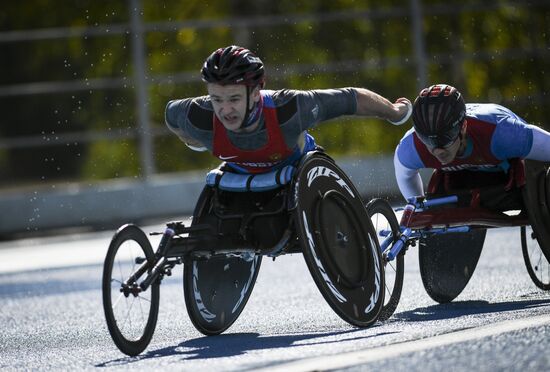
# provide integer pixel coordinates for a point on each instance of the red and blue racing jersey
(494, 135)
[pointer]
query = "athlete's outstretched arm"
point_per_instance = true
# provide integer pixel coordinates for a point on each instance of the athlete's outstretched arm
(408, 180)
(373, 104)
(189, 141)
(170, 117)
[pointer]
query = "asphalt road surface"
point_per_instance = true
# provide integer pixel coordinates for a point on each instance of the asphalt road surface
(51, 318)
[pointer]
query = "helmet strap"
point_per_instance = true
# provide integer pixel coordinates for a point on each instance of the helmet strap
(252, 114)
(463, 139)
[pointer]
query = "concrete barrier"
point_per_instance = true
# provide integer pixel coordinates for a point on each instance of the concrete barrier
(110, 203)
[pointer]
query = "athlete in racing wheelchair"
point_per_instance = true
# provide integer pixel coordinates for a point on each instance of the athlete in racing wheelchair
(276, 192)
(488, 162)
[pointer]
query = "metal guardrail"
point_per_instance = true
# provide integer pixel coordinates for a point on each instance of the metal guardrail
(110, 203)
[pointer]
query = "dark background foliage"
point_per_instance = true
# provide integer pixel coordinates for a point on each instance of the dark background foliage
(77, 91)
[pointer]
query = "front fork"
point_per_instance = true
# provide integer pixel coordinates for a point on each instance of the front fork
(158, 267)
(391, 247)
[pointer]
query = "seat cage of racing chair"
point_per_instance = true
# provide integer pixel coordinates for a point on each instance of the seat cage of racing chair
(467, 204)
(458, 212)
(238, 205)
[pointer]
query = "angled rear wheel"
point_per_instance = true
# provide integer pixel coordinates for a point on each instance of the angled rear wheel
(447, 262)
(217, 288)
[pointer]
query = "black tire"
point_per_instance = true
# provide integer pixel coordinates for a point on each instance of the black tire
(338, 242)
(216, 289)
(536, 263)
(536, 195)
(131, 320)
(383, 218)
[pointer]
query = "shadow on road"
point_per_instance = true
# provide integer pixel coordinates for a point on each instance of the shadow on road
(459, 309)
(227, 345)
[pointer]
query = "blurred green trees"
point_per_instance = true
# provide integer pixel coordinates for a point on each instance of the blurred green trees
(498, 52)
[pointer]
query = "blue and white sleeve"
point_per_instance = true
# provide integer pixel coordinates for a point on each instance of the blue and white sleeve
(407, 163)
(540, 150)
(513, 138)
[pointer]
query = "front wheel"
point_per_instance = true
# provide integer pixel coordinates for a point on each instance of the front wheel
(383, 219)
(132, 314)
(536, 263)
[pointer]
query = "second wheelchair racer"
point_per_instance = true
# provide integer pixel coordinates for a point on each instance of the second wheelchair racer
(470, 144)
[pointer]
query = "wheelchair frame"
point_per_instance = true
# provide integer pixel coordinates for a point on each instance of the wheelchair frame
(352, 281)
(424, 218)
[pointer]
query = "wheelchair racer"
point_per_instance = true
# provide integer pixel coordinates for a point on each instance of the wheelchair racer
(256, 130)
(471, 145)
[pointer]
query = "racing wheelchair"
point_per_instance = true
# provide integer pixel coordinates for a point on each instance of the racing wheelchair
(450, 229)
(312, 209)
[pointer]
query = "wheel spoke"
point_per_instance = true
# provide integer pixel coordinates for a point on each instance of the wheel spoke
(141, 311)
(119, 264)
(144, 299)
(128, 317)
(388, 290)
(115, 304)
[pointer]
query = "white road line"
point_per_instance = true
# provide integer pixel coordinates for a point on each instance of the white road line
(389, 351)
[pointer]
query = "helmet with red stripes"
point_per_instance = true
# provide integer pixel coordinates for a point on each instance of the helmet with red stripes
(233, 65)
(438, 115)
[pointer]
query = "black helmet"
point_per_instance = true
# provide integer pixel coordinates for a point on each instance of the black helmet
(233, 65)
(438, 115)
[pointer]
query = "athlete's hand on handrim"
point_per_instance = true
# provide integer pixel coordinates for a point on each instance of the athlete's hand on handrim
(405, 109)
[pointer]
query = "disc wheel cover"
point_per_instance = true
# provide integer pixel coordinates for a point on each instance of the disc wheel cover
(356, 295)
(339, 232)
(216, 290)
